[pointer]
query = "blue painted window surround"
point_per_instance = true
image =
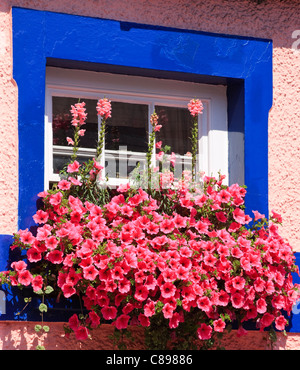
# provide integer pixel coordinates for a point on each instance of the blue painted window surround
(43, 39)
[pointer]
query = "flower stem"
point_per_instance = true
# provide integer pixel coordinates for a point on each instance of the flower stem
(101, 139)
(194, 146)
(76, 143)
(149, 157)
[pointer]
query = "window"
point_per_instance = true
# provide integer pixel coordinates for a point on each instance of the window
(133, 99)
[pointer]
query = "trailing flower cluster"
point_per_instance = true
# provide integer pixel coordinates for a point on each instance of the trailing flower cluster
(203, 260)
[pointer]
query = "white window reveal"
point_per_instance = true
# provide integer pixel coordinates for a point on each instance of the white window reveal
(133, 99)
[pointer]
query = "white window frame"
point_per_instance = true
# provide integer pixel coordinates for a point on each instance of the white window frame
(213, 126)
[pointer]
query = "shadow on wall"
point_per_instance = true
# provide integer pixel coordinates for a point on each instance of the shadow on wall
(22, 336)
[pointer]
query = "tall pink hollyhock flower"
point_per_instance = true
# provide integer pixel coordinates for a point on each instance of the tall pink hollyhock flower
(195, 107)
(70, 141)
(78, 114)
(104, 108)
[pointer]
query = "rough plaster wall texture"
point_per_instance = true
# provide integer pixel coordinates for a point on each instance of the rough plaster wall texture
(17, 335)
(8, 131)
(272, 19)
(22, 336)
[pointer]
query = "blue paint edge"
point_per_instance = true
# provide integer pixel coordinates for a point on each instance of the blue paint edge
(246, 63)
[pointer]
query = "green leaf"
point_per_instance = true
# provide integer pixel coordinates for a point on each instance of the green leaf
(46, 328)
(40, 347)
(49, 289)
(43, 307)
(37, 328)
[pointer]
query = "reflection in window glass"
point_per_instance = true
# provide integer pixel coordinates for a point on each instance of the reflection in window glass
(176, 128)
(61, 122)
(128, 127)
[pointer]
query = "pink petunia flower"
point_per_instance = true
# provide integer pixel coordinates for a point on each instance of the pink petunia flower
(168, 311)
(237, 300)
(55, 199)
(26, 237)
(122, 322)
(94, 318)
(37, 283)
(144, 320)
(204, 304)
(168, 290)
(219, 325)
(19, 265)
(68, 290)
(204, 332)
(239, 216)
(109, 312)
(55, 256)
(25, 277)
(73, 167)
(221, 216)
(90, 272)
(280, 322)
(149, 309)
(64, 185)
(266, 321)
(34, 255)
(81, 333)
(261, 305)
(141, 293)
(40, 217)
(73, 322)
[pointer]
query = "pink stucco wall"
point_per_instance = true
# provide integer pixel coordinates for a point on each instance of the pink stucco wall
(22, 336)
(273, 19)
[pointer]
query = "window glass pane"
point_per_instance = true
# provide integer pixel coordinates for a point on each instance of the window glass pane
(60, 160)
(176, 128)
(128, 127)
(61, 122)
(121, 164)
